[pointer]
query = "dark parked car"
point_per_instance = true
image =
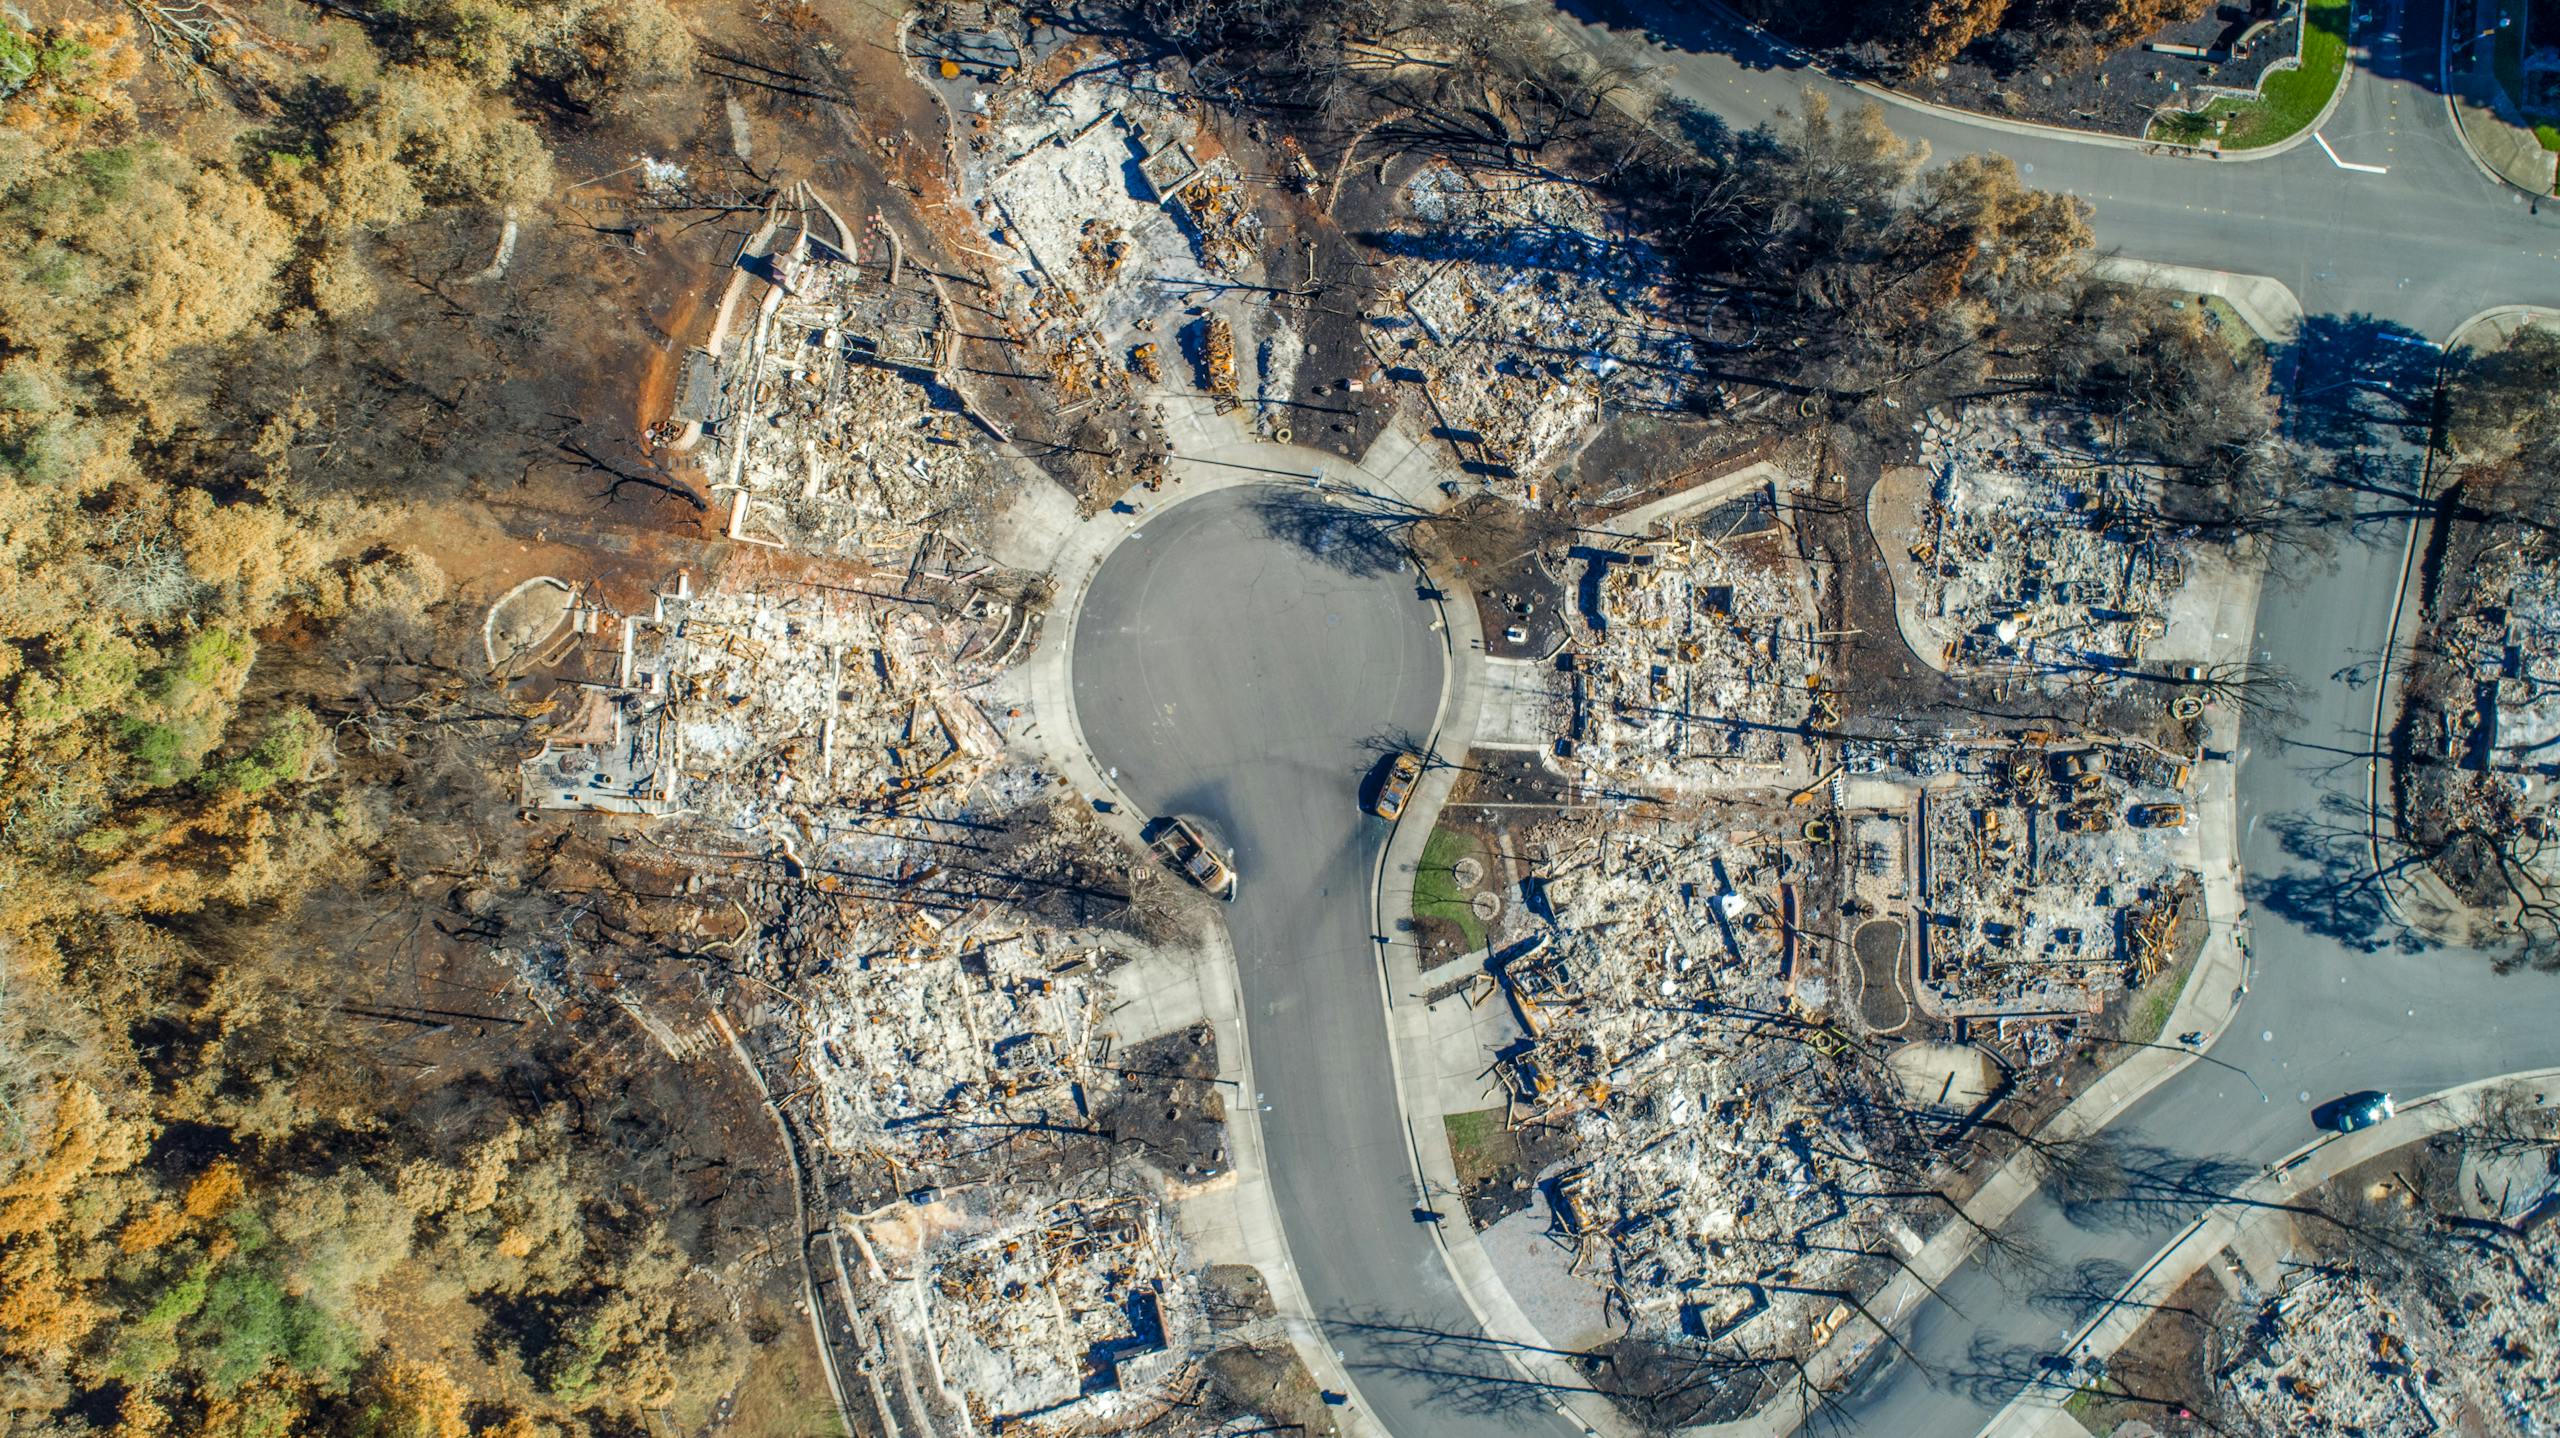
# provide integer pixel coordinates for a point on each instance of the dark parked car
(2355, 1111)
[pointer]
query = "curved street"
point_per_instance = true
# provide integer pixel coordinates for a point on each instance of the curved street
(1301, 651)
(2424, 245)
(1237, 662)
(2336, 1003)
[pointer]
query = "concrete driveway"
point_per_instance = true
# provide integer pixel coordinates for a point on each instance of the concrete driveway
(2405, 237)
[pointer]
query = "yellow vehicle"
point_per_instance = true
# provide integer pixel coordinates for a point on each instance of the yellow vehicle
(1396, 787)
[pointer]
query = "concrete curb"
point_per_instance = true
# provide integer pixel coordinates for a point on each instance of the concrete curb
(2499, 314)
(1221, 458)
(1639, 520)
(1435, 1170)
(2265, 304)
(2306, 1168)
(2480, 162)
(2165, 148)
(2387, 699)
(2209, 1002)
(2453, 116)
(2387, 704)
(2346, 77)
(2037, 130)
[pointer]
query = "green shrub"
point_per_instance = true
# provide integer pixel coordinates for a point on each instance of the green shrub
(249, 1324)
(278, 757)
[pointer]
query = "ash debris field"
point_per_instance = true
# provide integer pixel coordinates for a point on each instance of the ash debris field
(1818, 766)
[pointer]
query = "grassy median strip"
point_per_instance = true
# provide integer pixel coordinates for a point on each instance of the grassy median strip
(1435, 885)
(2292, 99)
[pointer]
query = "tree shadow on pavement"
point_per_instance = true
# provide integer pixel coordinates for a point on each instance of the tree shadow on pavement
(1994, 1373)
(1362, 545)
(2075, 1294)
(2329, 886)
(2356, 379)
(1656, 1388)
(1697, 29)
(2104, 1181)
(1468, 1374)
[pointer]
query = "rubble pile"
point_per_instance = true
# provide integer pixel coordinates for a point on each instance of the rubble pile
(1114, 212)
(1725, 1169)
(1519, 310)
(948, 1029)
(809, 734)
(2331, 1356)
(785, 707)
(2049, 877)
(2030, 550)
(2339, 1353)
(1698, 666)
(2496, 711)
(822, 430)
(1101, 187)
(1065, 1316)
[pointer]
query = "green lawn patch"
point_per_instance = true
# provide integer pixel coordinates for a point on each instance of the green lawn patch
(1435, 884)
(1469, 1133)
(2291, 100)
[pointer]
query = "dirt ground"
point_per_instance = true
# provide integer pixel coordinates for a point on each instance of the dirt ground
(1236, 1294)
(597, 501)
(1362, 203)
(1498, 1165)
(2161, 1369)
(1171, 1107)
(2434, 690)
(1504, 558)
(1265, 1381)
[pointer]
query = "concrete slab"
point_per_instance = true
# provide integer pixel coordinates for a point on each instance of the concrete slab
(1518, 704)
(1463, 1041)
(1956, 1077)
(1537, 1266)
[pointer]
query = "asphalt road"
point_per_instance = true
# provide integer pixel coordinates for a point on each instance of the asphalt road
(2335, 1005)
(2337, 1000)
(1229, 672)
(1247, 669)
(2425, 245)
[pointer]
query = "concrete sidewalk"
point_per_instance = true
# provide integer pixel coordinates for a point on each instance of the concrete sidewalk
(1430, 1061)
(2253, 1216)
(1231, 1218)
(2208, 1003)
(1642, 519)
(2492, 129)
(2265, 305)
